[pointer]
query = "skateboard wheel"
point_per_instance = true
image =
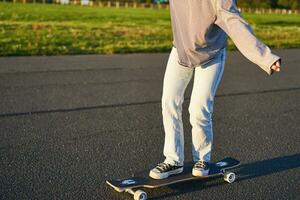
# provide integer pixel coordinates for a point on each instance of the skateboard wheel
(229, 177)
(140, 195)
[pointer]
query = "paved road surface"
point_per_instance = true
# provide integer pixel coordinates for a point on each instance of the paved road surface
(68, 123)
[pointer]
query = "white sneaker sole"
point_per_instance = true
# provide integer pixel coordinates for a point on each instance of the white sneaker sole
(200, 172)
(166, 174)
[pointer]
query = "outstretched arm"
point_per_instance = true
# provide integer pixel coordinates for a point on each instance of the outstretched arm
(229, 19)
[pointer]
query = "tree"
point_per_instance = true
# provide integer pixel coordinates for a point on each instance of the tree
(274, 3)
(255, 3)
(294, 4)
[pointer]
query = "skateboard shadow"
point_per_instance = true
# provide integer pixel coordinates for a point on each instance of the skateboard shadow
(244, 172)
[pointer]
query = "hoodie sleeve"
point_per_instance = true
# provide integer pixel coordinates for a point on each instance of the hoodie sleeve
(229, 19)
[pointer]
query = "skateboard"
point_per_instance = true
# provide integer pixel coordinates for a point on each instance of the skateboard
(143, 180)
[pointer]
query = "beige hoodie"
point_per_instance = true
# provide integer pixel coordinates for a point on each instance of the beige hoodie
(199, 32)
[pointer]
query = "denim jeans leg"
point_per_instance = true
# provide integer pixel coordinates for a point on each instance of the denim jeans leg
(176, 79)
(206, 80)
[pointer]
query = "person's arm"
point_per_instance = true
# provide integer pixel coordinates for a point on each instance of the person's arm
(229, 19)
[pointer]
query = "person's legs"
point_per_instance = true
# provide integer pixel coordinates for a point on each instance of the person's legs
(176, 79)
(206, 81)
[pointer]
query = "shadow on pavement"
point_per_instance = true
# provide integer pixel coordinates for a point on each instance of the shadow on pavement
(266, 167)
(244, 172)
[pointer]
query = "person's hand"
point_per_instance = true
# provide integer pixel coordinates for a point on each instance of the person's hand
(276, 66)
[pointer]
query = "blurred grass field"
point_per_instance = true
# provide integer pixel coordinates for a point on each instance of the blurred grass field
(37, 29)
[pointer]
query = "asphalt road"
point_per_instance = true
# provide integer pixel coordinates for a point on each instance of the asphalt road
(68, 123)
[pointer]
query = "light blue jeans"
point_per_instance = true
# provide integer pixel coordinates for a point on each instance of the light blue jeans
(206, 80)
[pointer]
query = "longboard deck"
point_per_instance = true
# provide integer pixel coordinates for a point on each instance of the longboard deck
(143, 180)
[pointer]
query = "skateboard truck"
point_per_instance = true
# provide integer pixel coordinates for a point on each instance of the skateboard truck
(137, 195)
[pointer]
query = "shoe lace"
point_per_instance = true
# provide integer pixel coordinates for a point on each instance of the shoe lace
(163, 166)
(201, 164)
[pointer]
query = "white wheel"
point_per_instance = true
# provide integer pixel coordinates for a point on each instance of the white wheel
(229, 177)
(140, 195)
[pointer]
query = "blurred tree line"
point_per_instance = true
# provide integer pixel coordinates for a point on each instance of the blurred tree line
(289, 4)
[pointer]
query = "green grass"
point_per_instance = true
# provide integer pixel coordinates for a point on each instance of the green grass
(276, 30)
(28, 29)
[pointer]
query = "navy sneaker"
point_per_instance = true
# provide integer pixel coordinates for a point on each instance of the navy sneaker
(164, 170)
(200, 168)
